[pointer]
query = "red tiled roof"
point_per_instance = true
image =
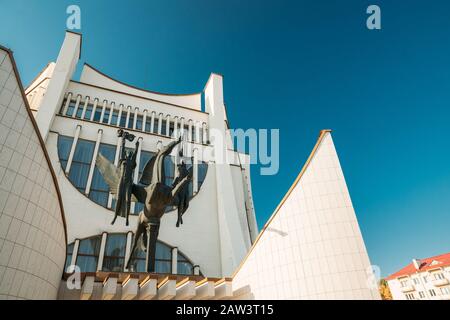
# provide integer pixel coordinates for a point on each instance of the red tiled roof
(442, 260)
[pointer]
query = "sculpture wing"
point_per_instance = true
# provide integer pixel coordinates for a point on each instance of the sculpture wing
(109, 172)
(146, 177)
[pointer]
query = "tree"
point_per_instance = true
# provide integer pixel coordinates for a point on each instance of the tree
(385, 292)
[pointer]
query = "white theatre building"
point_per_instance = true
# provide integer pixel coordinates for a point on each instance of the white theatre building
(311, 248)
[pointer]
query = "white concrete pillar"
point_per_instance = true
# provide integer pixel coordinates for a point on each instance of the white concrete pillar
(175, 127)
(136, 110)
(72, 149)
(144, 120)
(76, 246)
(77, 103)
(182, 127)
(94, 108)
(152, 122)
(94, 157)
(66, 105)
(116, 162)
(86, 102)
(174, 260)
(205, 137)
(128, 248)
(111, 112)
(58, 83)
(197, 132)
(190, 131)
(102, 115)
(128, 116)
(119, 116)
(102, 252)
(160, 123)
(195, 172)
(168, 125)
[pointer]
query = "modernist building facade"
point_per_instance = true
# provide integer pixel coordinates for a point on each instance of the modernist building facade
(311, 248)
(423, 279)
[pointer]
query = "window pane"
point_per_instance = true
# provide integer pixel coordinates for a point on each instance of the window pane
(69, 256)
(64, 146)
(114, 252)
(98, 113)
(123, 119)
(79, 110)
(71, 108)
(81, 163)
(99, 192)
(106, 115)
(131, 121)
(88, 252)
(115, 117)
(88, 113)
(139, 123)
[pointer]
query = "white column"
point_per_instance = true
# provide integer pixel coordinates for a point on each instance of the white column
(102, 252)
(160, 123)
(94, 157)
(175, 127)
(182, 127)
(174, 260)
(94, 107)
(205, 138)
(111, 112)
(76, 245)
(144, 120)
(190, 131)
(86, 102)
(195, 172)
(72, 150)
(136, 110)
(168, 125)
(197, 132)
(152, 122)
(66, 105)
(128, 116)
(119, 116)
(197, 270)
(128, 248)
(102, 115)
(116, 162)
(76, 105)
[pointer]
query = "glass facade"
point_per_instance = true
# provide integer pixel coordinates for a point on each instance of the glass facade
(88, 253)
(114, 258)
(81, 164)
(88, 113)
(99, 191)
(64, 146)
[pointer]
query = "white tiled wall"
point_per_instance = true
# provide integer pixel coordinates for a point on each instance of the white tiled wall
(313, 248)
(32, 243)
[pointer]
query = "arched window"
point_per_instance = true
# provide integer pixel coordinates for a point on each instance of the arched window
(114, 258)
(88, 252)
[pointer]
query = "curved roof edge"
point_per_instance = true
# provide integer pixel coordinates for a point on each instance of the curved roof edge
(322, 135)
(41, 141)
(92, 75)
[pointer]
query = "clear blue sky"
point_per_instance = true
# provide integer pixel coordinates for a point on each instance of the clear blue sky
(300, 66)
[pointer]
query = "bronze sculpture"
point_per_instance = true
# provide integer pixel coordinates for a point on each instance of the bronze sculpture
(151, 190)
(156, 196)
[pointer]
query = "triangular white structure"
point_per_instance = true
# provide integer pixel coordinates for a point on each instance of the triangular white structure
(312, 247)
